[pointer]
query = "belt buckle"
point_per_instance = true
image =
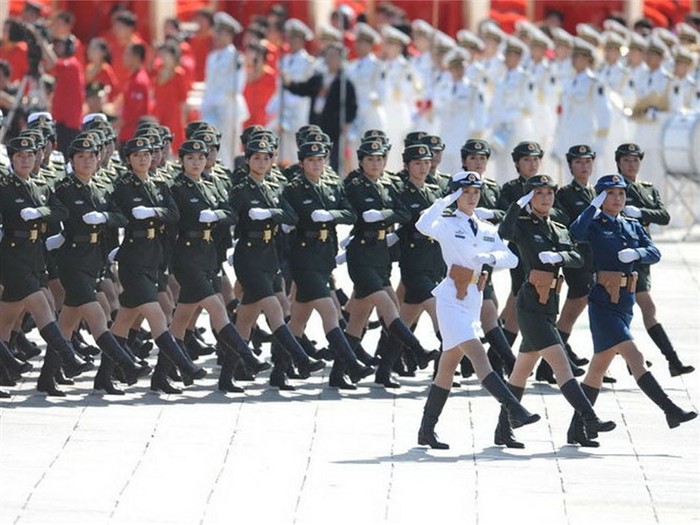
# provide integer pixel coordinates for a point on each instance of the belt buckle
(151, 233)
(623, 281)
(206, 235)
(93, 238)
(381, 235)
(323, 235)
(267, 235)
(33, 235)
(43, 227)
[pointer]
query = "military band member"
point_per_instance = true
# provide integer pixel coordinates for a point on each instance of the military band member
(617, 244)
(544, 246)
(467, 244)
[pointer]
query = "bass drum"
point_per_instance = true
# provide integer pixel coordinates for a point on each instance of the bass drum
(681, 145)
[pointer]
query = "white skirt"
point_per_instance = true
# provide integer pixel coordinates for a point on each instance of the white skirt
(457, 322)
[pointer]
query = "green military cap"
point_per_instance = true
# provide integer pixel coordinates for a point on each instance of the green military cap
(82, 144)
(209, 137)
(152, 135)
(36, 135)
(580, 151)
(95, 135)
(195, 126)
(21, 143)
(434, 142)
(319, 137)
(259, 145)
(607, 182)
(417, 152)
(526, 148)
(136, 144)
(312, 149)
(628, 149)
(304, 130)
(464, 179)
(373, 133)
(476, 147)
(414, 137)
(540, 181)
(192, 146)
(371, 147)
(247, 132)
(268, 135)
(166, 135)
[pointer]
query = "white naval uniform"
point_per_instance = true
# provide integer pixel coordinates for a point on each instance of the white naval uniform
(459, 319)
(460, 111)
(546, 102)
(401, 88)
(585, 117)
(291, 111)
(223, 104)
(616, 78)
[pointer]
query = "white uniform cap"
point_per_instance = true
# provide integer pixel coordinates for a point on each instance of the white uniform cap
(583, 46)
(664, 34)
(516, 45)
(328, 32)
(391, 34)
(468, 39)
(682, 54)
(296, 27)
(422, 27)
(525, 28)
(94, 116)
(490, 29)
(366, 32)
(455, 56)
(613, 39)
(39, 115)
(687, 33)
(588, 33)
(615, 26)
(537, 37)
(656, 45)
(443, 42)
(637, 41)
(562, 37)
(226, 21)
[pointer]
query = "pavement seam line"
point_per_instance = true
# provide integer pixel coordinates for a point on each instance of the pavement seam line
(474, 461)
(234, 433)
(308, 464)
(138, 463)
(556, 459)
(392, 463)
(52, 462)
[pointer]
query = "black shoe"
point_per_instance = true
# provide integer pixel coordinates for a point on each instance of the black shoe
(575, 359)
(105, 383)
(385, 380)
(161, 384)
(341, 383)
(5, 395)
(230, 386)
(278, 379)
(679, 368)
(593, 425)
(576, 435)
(503, 435)
(607, 378)
(545, 373)
(430, 438)
(62, 379)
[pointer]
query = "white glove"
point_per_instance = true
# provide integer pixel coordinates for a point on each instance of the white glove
(229, 259)
(2, 234)
(391, 239)
(550, 257)
(484, 213)
(29, 214)
(628, 255)
(321, 216)
(259, 214)
(111, 256)
(288, 228)
(143, 212)
(483, 258)
(632, 211)
(95, 217)
(208, 216)
(344, 243)
(372, 216)
(599, 200)
(452, 197)
(341, 258)
(651, 114)
(55, 241)
(522, 201)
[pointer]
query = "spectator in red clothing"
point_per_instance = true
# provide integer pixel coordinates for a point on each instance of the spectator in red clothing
(69, 91)
(260, 86)
(13, 49)
(170, 89)
(136, 100)
(98, 69)
(201, 42)
(62, 26)
(123, 34)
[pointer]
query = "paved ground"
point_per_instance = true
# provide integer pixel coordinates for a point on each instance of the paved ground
(317, 456)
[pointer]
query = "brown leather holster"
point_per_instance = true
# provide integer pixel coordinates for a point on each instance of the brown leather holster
(543, 283)
(613, 281)
(462, 278)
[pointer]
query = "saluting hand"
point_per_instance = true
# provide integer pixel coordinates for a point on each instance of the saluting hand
(208, 216)
(632, 211)
(525, 199)
(599, 200)
(452, 197)
(259, 214)
(628, 255)
(143, 212)
(484, 213)
(95, 217)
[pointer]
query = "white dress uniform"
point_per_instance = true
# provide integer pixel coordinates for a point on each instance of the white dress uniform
(366, 75)
(460, 110)
(291, 111)
(494, 69)
(585, 116)
(459, 319)
(401, 88)
(510, 118)
(546, 103)
(223, 104)
(616, 78)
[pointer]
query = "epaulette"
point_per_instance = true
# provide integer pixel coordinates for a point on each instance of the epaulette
(431, 186)
(449, 213)
(65, 182)
(490, 182)
(647, 183)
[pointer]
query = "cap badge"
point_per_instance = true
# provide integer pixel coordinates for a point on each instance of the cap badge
(631, 147)
(24, 143)
(615, 179)
(478, 145)
(314, 147)
(531, 146)
(582, 149)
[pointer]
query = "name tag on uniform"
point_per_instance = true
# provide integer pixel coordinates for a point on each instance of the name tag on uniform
(537, 238)
(19, 200)
(255, 202)
(580, 203)
(137, 199)
(307, 201)
(194, 199)
(79, 202)
(415, 205)
(488, 238)
(607, 232)
(459, 236)
(369, 199)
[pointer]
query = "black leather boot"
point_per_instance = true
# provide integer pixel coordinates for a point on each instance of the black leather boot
(578, 361)
(342, 351)
(675, 415)
(103, 377)
(403, 333)
(194, 346)
(577, 399)
(545, 373)
(170, 349)
(257, 337)
(360, 353)
(11, 363)
(234, 342)
(510, 337)
(576, 435)
(24, 345)
(228, 365)
(495, 361)
(437, 397)
(138, 345)
(46, 382)
(497, 339)
(303, 362)
(71, 363)
(281, 362)
(465, 368)
(85, 350)
(337, 378)
(159, 379)
(114, 351)
(518, 415)
(504, 432)
(390, 354)
(675, 367)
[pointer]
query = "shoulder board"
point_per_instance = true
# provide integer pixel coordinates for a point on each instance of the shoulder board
(65, 182)
(647, 184)
(490, 182)
(430, 186)
(559, 225)
(449, 213)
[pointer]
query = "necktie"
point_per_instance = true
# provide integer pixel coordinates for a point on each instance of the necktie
(472, 223)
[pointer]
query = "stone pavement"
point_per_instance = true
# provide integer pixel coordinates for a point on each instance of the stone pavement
(319, 456)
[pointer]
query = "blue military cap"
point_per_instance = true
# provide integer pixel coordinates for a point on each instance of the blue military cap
(607, 182)
(465, 179)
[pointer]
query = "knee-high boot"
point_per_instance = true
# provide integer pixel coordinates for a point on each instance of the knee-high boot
(504, 432)
(71, 363)
(403, 333)
(577, 399)
(233, 341)
(172, 350)
(303, 362)
(118, 355)
(675, 367)
(11, 363)
(437, 397)
(497, 339)
(518, 415)
(576, 435)
(159, 379)
(675, 415)
(46, 382)
(343, 353)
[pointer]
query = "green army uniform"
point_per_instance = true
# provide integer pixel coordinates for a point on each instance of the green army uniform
(532, 235)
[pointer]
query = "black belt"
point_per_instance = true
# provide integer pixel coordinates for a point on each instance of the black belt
(149, 233)
(92, 238)
(197, 234)
(380, 235)
(321, 235)
(32, 235)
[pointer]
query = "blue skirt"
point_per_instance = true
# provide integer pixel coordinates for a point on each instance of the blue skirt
(610, 323)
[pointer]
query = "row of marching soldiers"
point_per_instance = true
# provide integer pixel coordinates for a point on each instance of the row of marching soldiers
(169, 225)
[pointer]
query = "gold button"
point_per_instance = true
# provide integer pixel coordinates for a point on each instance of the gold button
(74, 245)
(12, 244)
(362, 241)
(187, 243)
(131, 240)
(303, 244)
(249, 244)
(413, 245)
